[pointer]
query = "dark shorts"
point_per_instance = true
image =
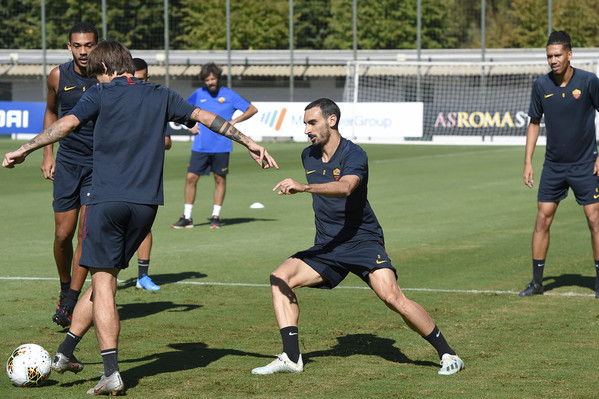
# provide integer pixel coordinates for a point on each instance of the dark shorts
(72, 184)
(334, 262)
(202, 163)
(113, 231)
(556, 179)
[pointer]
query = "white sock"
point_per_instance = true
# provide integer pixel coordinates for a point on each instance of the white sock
(187, 211)
(216, 210)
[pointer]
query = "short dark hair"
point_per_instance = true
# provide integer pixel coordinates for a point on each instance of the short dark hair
(110, 54)
(83, 27)
(140, 64)
(327, 107)
(209, 68)
(560, 37)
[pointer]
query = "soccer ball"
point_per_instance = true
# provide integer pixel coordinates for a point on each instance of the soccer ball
(29, 366)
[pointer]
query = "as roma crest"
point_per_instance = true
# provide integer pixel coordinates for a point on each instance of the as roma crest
(576, 93)
(336, 174)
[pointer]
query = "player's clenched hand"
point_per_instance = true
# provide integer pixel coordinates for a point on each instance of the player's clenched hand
(288, 186)
(13, 158)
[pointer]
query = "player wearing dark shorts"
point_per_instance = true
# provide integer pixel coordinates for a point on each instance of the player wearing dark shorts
(202, 163)
(71, 170)
(126, 188)
(568, 99)
(349, 239)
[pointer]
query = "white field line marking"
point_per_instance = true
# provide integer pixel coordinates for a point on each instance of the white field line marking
(446, 155)
(457, 291)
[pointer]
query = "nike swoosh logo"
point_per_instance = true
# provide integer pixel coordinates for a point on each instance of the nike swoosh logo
(69, 88)
(595, 196)
(292, 333)
(310, 171)
(547, 95)
(378, 262)
(438, 333)
(203, 100)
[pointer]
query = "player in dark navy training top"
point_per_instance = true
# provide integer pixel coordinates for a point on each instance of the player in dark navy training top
(567, 97)
(348, 239)
(130, 118)
(71, 171)
(144, 281)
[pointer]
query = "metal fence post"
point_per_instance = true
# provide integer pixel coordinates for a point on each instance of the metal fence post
(228, 12)
(44, 55)
(291, 34)
(166, 59)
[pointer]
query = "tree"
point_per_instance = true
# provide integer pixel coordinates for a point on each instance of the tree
(24, 29)
(579, 19)
(311, 23)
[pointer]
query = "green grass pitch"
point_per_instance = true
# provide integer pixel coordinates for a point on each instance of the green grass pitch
(458, 224)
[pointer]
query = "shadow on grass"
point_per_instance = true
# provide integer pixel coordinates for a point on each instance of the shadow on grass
(232, 221)
(136, 310)
(367, 344)
(165, 278)
(568, 280)
(185, 356)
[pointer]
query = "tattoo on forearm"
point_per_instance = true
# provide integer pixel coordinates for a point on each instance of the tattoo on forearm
(46, 137)
(217, 124)
(221, 126)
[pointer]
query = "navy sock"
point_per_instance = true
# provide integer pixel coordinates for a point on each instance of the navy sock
(71, 298)
(538, 267)
(110, 357)
(437, 340)
(291, 342)
(597, 278)
(64, 287)
(142, 267)
(68, 345)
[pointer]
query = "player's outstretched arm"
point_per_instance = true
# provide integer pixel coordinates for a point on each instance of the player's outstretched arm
(221, 126)
(342, 188)
(56, 131)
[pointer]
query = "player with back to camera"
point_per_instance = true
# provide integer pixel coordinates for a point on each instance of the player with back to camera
(348, 239)
(72, 169)
(209, 151)
(126, 188)
(567, 97)
(144, 281)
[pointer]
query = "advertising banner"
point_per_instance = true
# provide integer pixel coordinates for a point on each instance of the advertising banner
(21, 118)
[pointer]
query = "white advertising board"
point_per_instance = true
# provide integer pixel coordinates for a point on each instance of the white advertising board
(361, 122)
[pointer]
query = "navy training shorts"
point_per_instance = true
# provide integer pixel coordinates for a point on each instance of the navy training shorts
(556, 179)
(113, 231)
(335, 261)
(202, 163)
(71, 186)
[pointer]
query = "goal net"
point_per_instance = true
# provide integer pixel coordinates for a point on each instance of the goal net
(464, 103)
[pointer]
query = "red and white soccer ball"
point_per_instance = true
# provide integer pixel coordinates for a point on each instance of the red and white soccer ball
(29, 366)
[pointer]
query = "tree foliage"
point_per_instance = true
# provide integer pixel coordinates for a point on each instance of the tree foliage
(318, 24)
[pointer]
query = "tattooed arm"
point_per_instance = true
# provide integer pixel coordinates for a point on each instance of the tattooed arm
(221, 126)
(56, 131)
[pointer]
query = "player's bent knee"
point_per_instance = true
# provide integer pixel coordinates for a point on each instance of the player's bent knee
(278, 279)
